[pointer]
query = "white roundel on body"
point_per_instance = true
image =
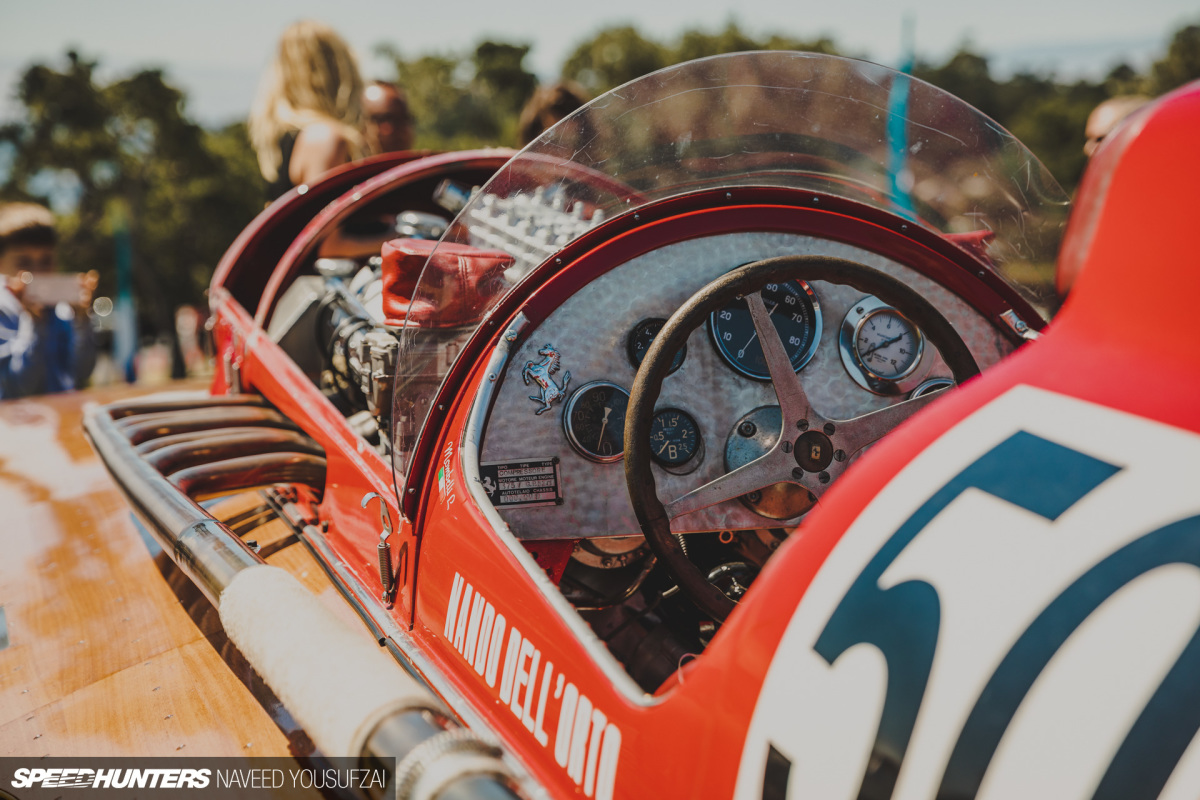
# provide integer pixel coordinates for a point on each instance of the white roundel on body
(1015, 615)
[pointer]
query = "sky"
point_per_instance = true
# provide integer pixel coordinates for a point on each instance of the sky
(216, 49)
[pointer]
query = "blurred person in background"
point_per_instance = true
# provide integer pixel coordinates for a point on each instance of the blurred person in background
(308, 116)
(548, 105)
(44, 347)
(389, 126)
(1105, 118)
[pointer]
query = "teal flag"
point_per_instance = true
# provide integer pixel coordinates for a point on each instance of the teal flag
(900, 179)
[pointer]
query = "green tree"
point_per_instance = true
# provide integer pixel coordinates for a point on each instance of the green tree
(1047, 116)
(965, 75)
(1052, 126)
(612, 57)
(128, 146)
(1021, 92)
(1124, 79)
(462, 102)
(500, 75)
(700, 44)
(617, 55)
(822, 44)
(436, 98)
(1181, 64)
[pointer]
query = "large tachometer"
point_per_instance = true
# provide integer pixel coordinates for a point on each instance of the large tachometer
(796, 315)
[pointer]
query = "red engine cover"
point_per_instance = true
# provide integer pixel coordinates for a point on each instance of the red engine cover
(461, 281)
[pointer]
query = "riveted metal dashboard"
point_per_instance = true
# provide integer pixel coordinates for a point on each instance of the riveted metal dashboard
(590, 331)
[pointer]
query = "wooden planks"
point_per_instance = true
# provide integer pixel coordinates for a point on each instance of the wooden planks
(103, 658)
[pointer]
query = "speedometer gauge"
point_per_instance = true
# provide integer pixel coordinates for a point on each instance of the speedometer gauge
(594, 421)
(794, 311)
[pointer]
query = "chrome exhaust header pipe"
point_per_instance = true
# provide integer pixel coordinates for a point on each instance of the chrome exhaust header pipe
(143, 427)
(181, 402)
(151, 445)
(243, 473)
(173, 453)
(205, 550)
(352, 699)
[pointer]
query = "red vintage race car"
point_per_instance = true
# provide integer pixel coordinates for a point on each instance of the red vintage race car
(611, 452)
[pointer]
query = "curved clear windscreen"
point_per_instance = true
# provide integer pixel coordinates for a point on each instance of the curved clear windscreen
(807, 121)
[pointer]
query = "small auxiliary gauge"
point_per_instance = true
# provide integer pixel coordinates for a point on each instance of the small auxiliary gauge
(640, 339)
(881, 348)
(675, 441)
(796, 315)
(594, 421)
(930, 386)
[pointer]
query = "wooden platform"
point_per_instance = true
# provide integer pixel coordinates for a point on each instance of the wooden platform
(107, 650)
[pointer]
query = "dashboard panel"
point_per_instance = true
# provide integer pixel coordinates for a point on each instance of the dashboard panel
(591, 332)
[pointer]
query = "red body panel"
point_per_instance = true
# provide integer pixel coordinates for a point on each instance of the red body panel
(1122, 340)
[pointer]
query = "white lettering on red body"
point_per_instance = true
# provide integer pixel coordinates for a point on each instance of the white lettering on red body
(586, 744)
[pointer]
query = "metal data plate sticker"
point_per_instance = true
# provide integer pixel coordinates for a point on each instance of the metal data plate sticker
(522, 484)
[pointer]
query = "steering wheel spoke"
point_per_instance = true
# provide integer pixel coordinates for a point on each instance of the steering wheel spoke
(792, 399)
(812, 455)
(855, 434)
(773, 467)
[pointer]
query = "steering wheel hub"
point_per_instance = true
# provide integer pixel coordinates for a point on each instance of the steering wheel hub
(814, 451)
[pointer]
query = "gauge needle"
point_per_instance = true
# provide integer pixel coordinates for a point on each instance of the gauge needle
(742, 352)
(884, 343)
(603, 425)
(664, 447)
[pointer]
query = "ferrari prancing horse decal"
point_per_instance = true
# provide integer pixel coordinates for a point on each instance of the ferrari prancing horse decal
(1032, 628)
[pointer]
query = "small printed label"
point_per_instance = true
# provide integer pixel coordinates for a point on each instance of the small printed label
(514, 484)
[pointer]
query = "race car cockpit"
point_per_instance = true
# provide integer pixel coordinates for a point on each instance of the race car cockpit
(700, 299)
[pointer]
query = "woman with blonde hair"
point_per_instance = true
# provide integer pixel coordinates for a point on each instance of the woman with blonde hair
(308, 116)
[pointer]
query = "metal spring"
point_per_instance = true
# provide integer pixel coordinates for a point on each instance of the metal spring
(385, 570)
(682, 543)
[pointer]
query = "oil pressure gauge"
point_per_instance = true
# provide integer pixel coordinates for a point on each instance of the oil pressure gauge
(594, 421)
(881, 348)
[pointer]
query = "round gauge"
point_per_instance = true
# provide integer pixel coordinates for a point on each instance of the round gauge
(887, 345)
(930, 386)
(639, 342)
(796, 315)
(595, 421)
(674, 437)
(881, 348)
